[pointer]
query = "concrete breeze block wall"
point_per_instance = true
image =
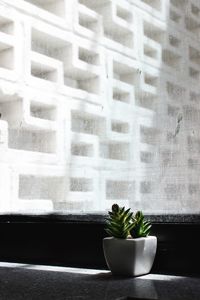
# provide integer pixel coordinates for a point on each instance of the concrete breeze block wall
(99, 103)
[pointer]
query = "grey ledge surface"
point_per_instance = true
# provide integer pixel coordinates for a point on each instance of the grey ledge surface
(92, 217)
(31, 282)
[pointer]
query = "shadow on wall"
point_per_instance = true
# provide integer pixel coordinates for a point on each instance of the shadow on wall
(170, 46)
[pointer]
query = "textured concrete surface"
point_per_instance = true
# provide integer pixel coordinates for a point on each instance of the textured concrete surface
(30, 282)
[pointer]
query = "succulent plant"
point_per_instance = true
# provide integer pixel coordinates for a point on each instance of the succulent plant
(141, 227)
(120, 222)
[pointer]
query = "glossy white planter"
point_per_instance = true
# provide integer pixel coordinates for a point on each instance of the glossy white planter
(130, 257)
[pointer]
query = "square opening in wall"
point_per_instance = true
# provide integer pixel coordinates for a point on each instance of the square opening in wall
(194, 74)
(174, 16)
(119, 190)
(147, 100)
(124, 14)
(56, 7)
(82, 149)
(194, 55)
(172, 111)
(83, 81)
(88, 56)
(87, 123)
(154, 32)
(156, 4)
(192, 25)
(37, 141)
(115, 151)
(195, 10)
(6, 25)
(125, 73)
(6, 56)
(43, 111)
(195, 97)
(49, 45)
(171, 59)
(120, 127)
(121, 95)
(145, 187)
(148, 135)
(146, 157)
(151, 79)
(33, 187)
(180, 4)
(44, 72)
(175, 91)
(174, 41)
(89, 22)
(81, 184)
(150, 52)
(124, 38)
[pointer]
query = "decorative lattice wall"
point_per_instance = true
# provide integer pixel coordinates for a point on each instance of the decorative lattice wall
(99, 103)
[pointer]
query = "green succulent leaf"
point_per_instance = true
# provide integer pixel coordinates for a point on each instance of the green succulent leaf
(142, 227)
(119, 222)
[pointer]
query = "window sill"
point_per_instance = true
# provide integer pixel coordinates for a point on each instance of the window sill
(93, 218)
(48, 282)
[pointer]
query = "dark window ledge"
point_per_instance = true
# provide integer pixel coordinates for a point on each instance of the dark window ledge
(76, 241)
(94, 218)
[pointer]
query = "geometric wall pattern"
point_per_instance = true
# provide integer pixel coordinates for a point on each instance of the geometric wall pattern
(99, 103)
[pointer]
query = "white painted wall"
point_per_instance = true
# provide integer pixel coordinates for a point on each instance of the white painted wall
(99, 103)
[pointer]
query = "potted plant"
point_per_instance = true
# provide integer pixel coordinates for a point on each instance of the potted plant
(129, 250)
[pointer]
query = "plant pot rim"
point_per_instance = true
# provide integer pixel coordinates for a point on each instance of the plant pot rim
(130, 239)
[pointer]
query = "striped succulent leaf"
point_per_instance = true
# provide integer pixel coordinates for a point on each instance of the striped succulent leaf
(141, 227)
(120, 222)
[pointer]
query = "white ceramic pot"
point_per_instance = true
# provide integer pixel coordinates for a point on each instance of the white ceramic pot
(130, 257)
